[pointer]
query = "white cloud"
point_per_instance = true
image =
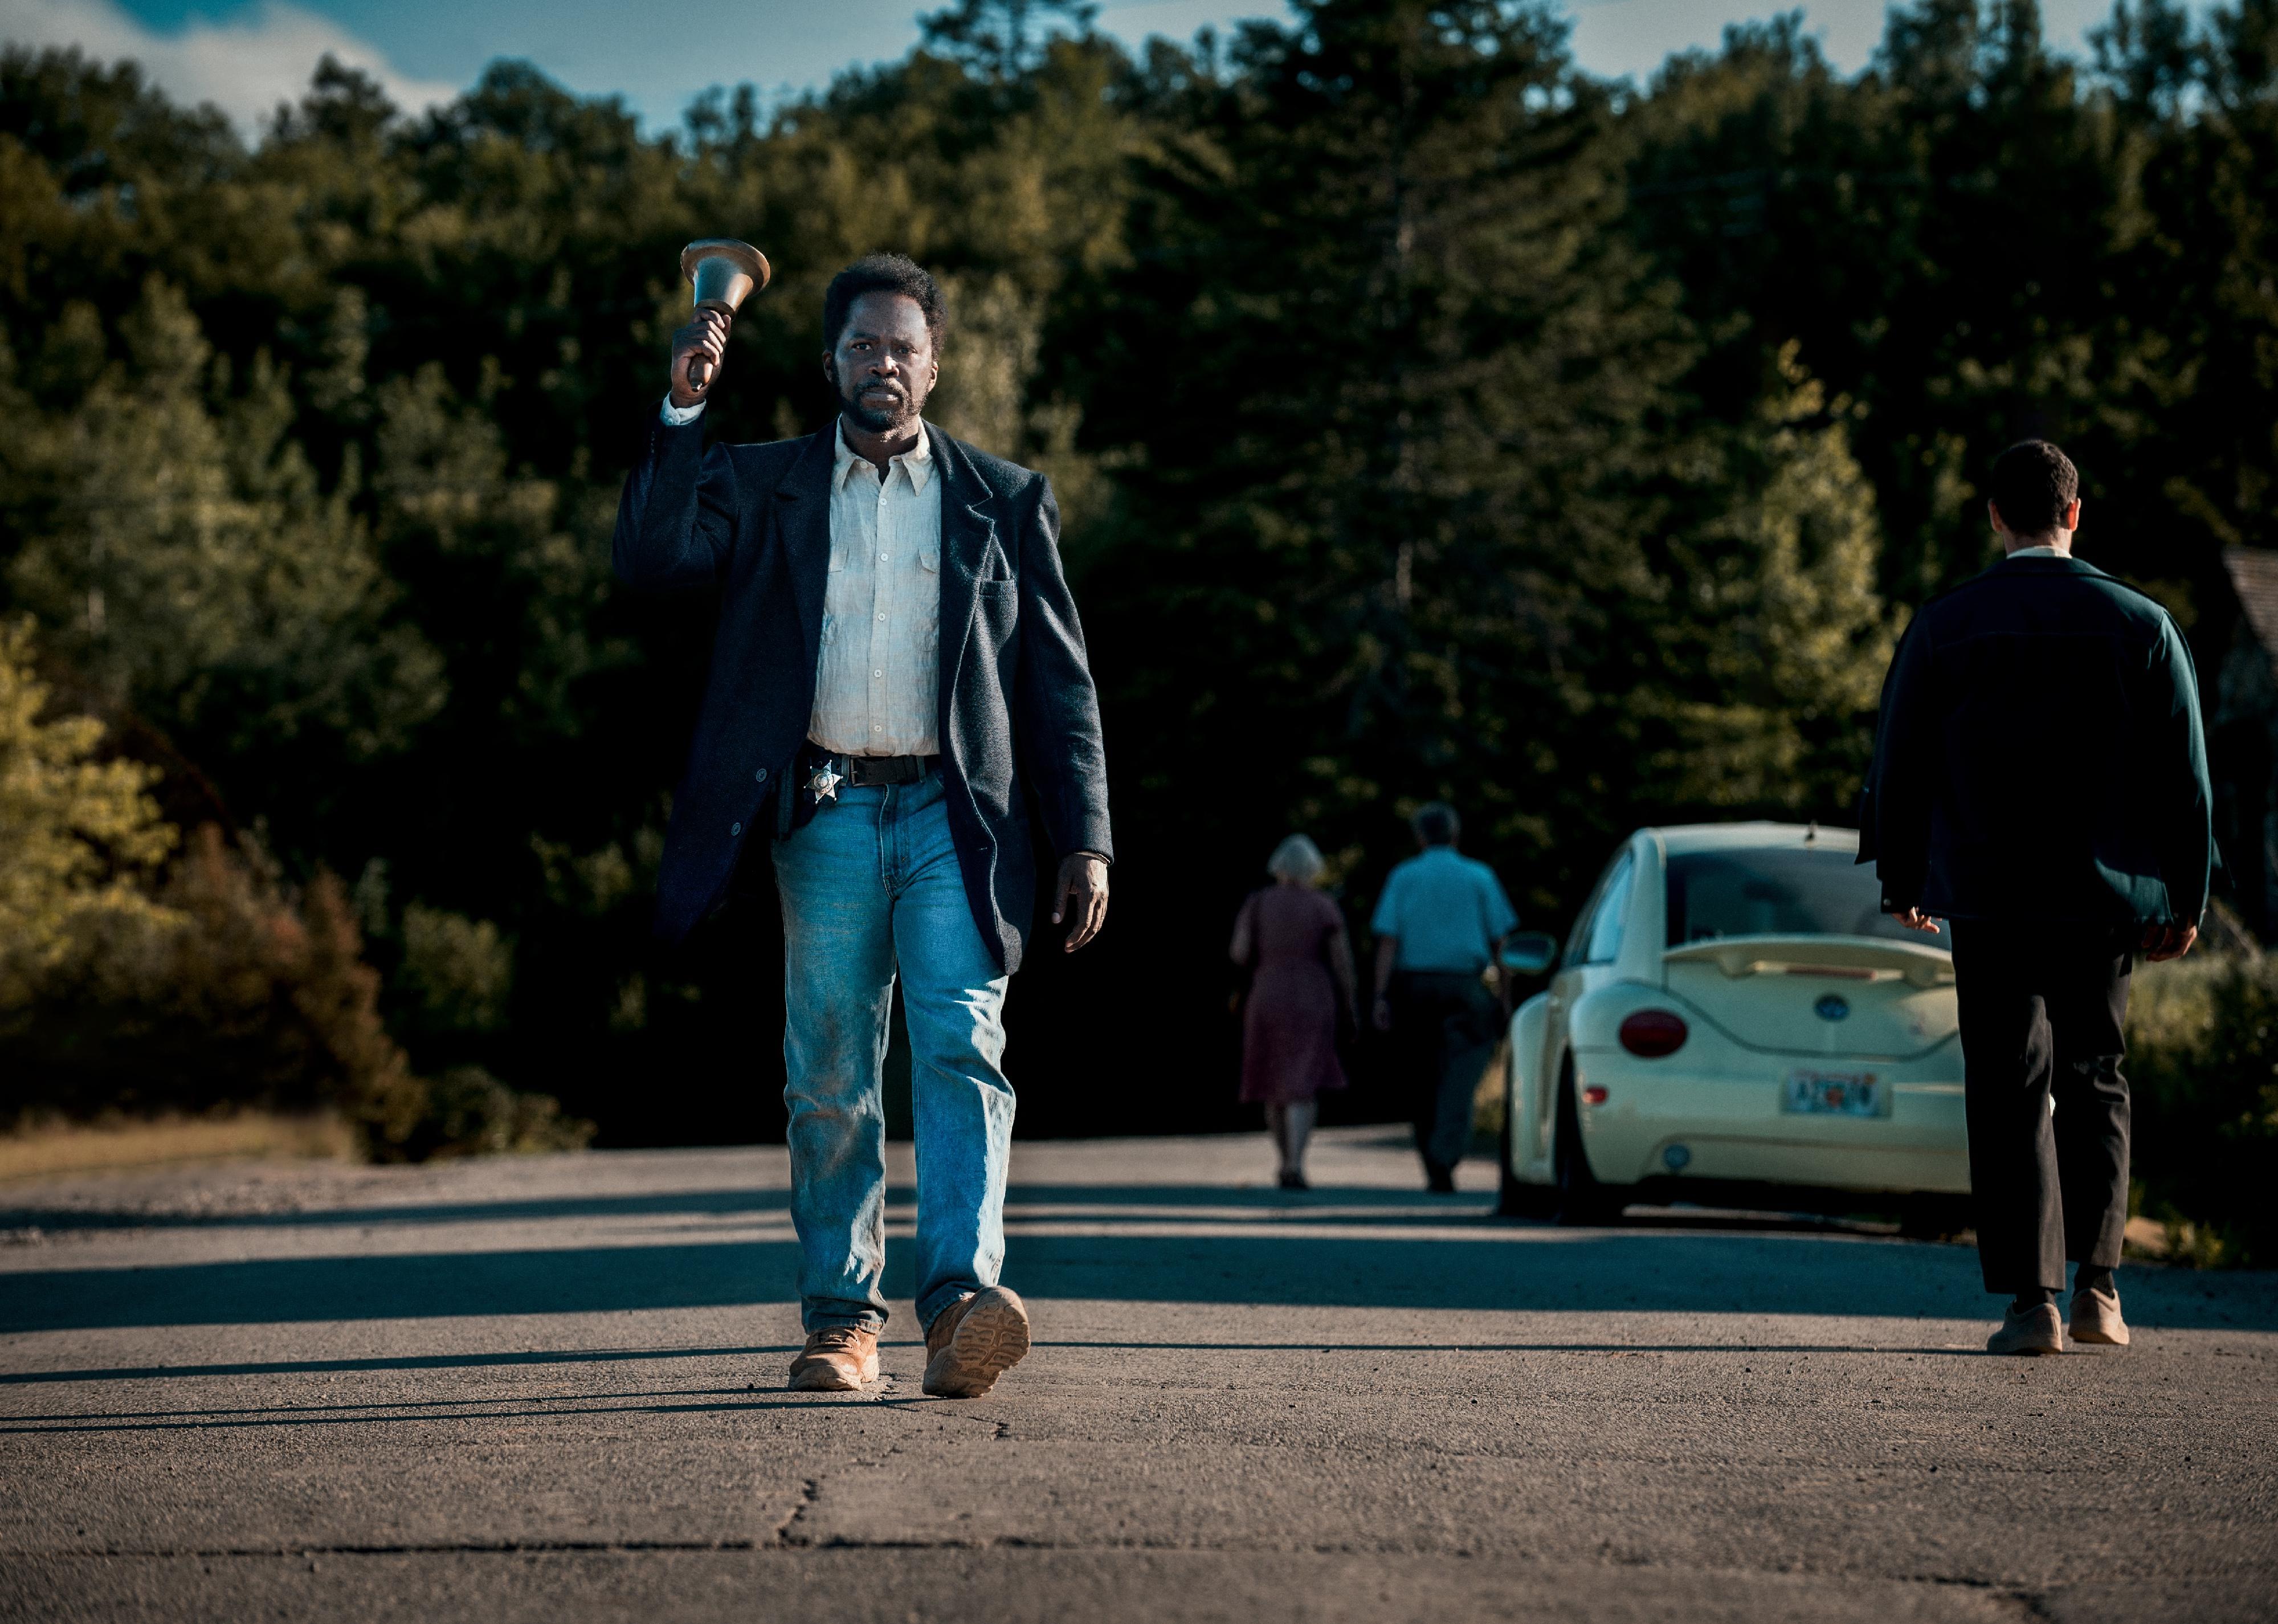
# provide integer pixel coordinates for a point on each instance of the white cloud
(244, 67)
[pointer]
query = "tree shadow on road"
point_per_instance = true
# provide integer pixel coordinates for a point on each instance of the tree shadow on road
(1344, 1260)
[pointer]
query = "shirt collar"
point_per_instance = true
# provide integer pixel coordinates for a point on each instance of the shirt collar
(916, 464)
(2038, 552)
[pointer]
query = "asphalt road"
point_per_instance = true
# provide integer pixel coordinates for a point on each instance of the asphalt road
(549, 1389)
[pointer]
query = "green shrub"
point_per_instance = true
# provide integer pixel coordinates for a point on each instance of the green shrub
(2203, 1070)
(458, 972)
(233, 991)
(80, 837)
(469, 1113)
(228, 991)
(132, 984)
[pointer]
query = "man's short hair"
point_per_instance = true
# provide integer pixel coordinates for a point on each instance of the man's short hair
(2032, 483)
(1435, 823)
(894, 273)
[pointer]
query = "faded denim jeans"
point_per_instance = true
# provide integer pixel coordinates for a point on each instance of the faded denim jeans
(870, 885)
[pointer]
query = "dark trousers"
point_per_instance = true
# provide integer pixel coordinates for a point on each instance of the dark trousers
(1445, 1025)
(2042, 1007)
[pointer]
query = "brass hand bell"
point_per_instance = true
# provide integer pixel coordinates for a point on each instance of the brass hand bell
(725, 273)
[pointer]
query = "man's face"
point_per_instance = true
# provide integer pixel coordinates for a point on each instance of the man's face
(883, 365)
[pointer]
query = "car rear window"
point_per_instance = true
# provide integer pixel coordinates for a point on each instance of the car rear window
(1776, 893)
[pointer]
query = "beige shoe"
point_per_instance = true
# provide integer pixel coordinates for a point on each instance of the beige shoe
(840, 1359)
(973, 1342)
(2096, 1317)
(2036, 1330)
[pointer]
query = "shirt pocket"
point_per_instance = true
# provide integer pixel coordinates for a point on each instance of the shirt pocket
(929, 555)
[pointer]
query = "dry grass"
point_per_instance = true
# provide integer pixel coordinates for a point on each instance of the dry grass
(46, 1149)
(1487, 1102)
(2179, 1241)
(2148, 1240)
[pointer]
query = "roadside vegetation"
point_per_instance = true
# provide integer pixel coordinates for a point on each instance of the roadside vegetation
(2203, 1074)
(41, 1146)
(147, 976)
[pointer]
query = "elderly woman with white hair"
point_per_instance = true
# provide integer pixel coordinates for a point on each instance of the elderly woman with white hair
(1292, 940)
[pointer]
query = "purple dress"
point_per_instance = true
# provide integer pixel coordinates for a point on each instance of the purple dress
(1297, 957)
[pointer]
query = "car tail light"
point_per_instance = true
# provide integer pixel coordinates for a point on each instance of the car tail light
(1652, 1033)
(1593, 1096)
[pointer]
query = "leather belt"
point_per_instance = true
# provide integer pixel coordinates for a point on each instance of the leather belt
(863, 770)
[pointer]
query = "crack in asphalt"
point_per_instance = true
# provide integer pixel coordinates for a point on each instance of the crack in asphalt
(809, 1492)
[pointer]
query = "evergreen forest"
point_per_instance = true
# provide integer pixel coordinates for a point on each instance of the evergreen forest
(1430, 419)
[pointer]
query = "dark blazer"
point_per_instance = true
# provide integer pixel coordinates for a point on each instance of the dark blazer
(1017, 708)
(2039, 757)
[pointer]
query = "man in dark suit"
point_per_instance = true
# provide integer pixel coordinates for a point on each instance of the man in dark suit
(2040, 782)
(897, 669)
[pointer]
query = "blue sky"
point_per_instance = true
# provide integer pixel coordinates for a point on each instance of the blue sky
(247, 55)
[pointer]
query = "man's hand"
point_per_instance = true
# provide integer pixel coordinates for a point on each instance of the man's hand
(2168, 941)
(1914, 919)
(1382, 1016)
(704, 340)
(1082, 898)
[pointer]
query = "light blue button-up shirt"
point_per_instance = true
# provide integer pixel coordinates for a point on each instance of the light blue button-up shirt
(1447, 911)
(875, 688)
(874, 684)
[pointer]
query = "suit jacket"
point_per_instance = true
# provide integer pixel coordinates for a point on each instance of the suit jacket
(1017, 711)
(2039, 757)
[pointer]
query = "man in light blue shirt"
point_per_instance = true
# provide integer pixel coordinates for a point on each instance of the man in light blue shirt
(1437, 926)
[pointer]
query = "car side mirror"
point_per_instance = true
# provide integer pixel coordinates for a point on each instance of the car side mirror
(1530, 952)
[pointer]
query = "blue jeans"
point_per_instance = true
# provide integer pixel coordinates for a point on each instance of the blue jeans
(872, 884)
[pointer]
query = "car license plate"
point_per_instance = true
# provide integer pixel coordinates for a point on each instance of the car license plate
(1835, 1093)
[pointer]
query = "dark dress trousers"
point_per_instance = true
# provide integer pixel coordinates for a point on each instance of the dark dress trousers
(1017, 710)
(2040, 782)
(1448, 1022)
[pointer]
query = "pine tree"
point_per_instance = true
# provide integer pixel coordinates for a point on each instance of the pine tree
(79, 836)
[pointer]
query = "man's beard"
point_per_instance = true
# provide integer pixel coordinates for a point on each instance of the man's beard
(873, 419)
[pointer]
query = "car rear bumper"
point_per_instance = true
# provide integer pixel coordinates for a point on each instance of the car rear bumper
(1771, 1161)
(1657, 1121)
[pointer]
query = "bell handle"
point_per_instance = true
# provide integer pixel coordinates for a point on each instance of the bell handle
(700, 371)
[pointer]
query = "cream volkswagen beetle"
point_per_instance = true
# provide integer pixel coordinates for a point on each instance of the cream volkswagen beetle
(1735, 1021)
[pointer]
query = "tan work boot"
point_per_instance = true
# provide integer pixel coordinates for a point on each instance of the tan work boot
(973, 1342)
(2034, 1330)
(839, 1358)
(2096, 1316)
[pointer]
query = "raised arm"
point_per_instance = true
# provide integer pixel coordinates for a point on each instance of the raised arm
(675, 523)
(675, 526)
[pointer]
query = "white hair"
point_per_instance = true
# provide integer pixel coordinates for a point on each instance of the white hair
(1297, 859)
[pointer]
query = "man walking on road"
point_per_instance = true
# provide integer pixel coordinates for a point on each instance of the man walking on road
(1436, 926)
(2040, 782)
(897, 664)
